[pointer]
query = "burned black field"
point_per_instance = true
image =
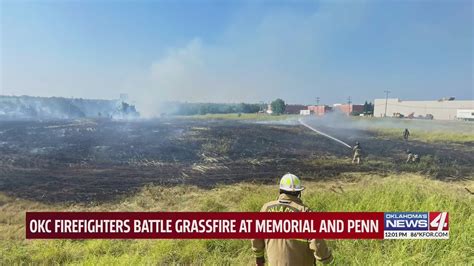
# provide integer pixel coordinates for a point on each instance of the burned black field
(90, 161)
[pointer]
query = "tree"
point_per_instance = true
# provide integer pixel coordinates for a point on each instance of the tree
(247, 108)
(368, 108)
(278, 106)
(203, 109)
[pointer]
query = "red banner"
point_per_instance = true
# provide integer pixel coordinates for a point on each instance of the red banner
(204, 225)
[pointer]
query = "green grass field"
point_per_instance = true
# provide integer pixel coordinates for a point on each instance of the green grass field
(427, 135)
(420, 130)
(352, 192)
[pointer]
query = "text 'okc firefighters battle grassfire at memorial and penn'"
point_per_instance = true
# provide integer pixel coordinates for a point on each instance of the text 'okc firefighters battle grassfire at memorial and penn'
(208, 225)
(233, 225)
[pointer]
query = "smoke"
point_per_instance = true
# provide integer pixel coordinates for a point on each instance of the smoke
(180, 71)
(26, 107)
(342, 124)
(277, 54)
(261, 51)
(348, 129)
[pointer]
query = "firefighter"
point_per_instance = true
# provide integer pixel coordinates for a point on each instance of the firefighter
(357, 153)
(290, 251)
(412, 158)
(416, 158)
(406, 134)
(409, 156)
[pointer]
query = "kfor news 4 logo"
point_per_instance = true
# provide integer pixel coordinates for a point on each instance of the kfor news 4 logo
(416, 225)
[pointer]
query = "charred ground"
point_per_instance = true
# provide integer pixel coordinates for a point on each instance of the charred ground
(96, 160)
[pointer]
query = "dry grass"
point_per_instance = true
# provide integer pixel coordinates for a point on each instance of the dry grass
(352, 192)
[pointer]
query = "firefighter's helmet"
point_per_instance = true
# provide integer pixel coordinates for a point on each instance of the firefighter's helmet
(291, 183)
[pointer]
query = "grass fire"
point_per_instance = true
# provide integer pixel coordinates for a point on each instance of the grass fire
(190, 163)
(204, 132)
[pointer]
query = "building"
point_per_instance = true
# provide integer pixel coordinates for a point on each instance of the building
(349, 109)
(294, 108)
(269, 109)
(123, 97)
(443, 109)
(465, 114)
(319, 110)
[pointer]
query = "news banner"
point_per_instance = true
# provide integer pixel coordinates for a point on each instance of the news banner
(237, 225)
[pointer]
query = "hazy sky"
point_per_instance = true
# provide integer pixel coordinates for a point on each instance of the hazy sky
(232, 51)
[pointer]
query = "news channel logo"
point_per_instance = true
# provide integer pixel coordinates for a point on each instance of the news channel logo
(416, 225)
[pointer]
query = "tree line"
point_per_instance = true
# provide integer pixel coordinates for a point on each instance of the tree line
(277, 107)
(217, 108)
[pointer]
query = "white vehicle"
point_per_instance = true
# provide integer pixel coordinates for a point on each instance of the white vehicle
(465, 114)
(305, 112)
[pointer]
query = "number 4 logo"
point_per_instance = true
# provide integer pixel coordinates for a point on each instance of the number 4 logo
(439, 221)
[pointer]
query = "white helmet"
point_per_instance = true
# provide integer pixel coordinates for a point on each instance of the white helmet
(290, 183)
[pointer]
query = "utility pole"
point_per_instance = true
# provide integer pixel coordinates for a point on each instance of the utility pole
(317, 106)
(349, 104)
(386, 100)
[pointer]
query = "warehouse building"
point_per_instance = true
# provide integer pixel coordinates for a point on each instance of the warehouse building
(443, 109)
(319, 110)
(294, 108)
(349, 109)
